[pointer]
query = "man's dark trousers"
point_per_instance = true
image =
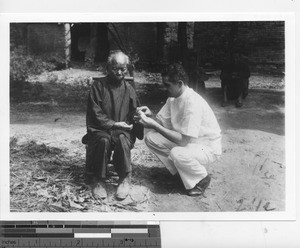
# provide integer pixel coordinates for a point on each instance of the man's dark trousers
(100, 146)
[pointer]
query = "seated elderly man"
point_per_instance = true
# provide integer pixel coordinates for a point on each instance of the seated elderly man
(186, 135)
(111, 104)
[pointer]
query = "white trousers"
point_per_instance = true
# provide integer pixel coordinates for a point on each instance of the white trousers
(188, 161)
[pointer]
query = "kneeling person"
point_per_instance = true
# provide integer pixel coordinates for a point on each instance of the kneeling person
(186, 135)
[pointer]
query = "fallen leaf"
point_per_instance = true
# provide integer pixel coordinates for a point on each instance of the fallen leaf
(80, 199)
(57, 207)
(75, 205)
(44, 193)
(40, 178)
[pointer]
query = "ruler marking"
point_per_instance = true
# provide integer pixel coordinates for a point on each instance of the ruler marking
(41, 234)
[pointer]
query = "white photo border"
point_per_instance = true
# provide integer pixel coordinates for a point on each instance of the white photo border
(289, 18)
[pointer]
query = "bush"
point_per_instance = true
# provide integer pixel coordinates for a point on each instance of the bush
(22, 66)
(55, 60)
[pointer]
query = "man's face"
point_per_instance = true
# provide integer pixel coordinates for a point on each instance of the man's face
(118, 68)
(173, 88)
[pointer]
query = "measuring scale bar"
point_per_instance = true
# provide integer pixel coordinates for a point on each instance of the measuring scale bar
(83, 235)
(81, 243)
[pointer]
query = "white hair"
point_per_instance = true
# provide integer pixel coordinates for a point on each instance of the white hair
(115, 54)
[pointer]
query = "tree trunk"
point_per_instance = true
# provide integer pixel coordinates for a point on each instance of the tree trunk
(182, 40)
(161, 53)
(232, 36)
(67, 27)
(102, 48)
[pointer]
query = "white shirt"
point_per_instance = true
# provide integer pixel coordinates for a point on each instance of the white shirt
(190, 115)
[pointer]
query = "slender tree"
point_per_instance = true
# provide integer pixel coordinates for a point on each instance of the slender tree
(160, 40)
(232, 37)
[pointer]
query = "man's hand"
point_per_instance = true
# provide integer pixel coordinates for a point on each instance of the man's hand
(122, 125)
(145, 110)
(146, 121)
(172, 135)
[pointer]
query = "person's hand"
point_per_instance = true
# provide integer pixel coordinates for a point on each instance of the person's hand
(136, 117)
(145, 110)
(123, 125)
(146, 121)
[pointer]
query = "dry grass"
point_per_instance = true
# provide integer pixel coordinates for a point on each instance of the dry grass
(45, 179)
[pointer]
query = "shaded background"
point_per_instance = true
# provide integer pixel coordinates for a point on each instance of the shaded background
(256, 233)
(262, 42)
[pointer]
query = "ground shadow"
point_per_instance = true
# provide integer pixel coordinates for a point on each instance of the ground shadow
(158, 179)
(263, 110)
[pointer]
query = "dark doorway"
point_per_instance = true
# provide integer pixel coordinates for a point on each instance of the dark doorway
(80, 34)
(89, 41)
(102, 48)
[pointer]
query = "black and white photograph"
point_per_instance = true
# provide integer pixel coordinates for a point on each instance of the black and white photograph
(154, 124)
(185, 116)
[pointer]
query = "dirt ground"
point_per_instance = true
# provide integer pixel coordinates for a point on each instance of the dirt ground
(48, 159)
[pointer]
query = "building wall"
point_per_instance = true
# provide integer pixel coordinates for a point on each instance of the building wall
(134, 38)
(141, 38)
(46, 39)
(261, 42)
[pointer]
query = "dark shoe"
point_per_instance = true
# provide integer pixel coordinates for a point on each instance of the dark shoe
(123, 188)
(99, 190)
(200, 187)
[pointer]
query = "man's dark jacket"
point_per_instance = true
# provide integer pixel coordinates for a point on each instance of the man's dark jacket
(101, 108)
